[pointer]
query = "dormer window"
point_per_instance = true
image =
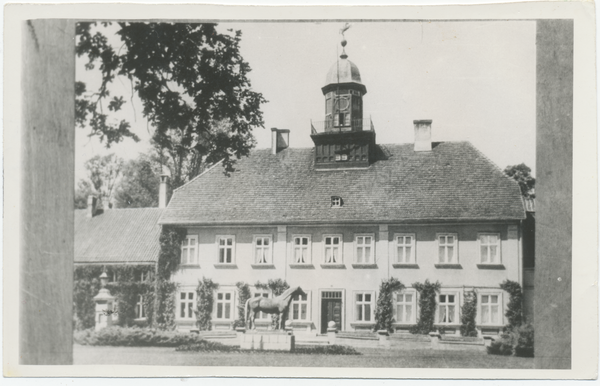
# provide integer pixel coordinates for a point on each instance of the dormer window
(336, 202)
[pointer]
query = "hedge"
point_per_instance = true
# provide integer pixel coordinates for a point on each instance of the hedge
(134, 336)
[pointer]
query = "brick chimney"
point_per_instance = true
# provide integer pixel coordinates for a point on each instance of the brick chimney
(92, 206)
(163, 190)
(280, 139)
(422, 134)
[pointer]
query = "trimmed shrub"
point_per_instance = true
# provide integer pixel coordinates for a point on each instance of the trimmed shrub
(384, 312)
(427, 304)
(514, 310)
(468, 314)
(204, 307)
(133, 336)
(518, 342)
(243, 295)
(207, 346)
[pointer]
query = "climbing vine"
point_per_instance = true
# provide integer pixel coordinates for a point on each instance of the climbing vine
(277, 287)
(204, 306)
(244, 294)
(165, 303)
(427, 303)
(384, 312)
(468, 314)
(169, 256)
(514, 310)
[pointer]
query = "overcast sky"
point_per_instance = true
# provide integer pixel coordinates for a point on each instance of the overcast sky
(475, 80)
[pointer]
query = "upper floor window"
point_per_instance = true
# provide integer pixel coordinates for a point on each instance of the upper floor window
(447, 308)
(262, 249)
(447, 253)
(226, 246)
(301, 249)
(189, 254)
(490, 309)
(405, 307)
(299, 308)
(224, 305)
(405, 248)
(333, 249)
(363, 303)
(364, 249)
(489, 247)
(186, 305)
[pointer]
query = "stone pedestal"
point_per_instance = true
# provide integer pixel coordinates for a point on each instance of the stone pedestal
(435, 339)
(104, 309)
(264, 340)
(384, 338)
(331, 332)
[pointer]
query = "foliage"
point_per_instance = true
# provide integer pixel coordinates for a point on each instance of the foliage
(103, 172)
(134, 336)
(169, 257)
(140, 181)
(384, 312)
(522, 174)
(468, 314)
(126, 290)
(193, 85)
(82, 192)
(277, 287)
(514, 310)
(518, 342)
(243, 295)
(427, 304)
(207, 346)
(334, 349)
(204, 306)
(165, 305)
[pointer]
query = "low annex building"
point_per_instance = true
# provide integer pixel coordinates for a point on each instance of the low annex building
(339, 218)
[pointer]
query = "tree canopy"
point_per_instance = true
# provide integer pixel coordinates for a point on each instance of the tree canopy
(193, 84)
(522, 174)
(139, 184)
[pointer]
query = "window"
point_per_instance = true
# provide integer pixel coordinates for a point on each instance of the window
(364, 305)
(224, 306)
(447, 249)
(301, 249)
(226, 244)
(336, 202)
(490, 309)
(364, 249)
(186, 305)
(299, 308)
(333, 251)
(405, 248)
(188, 250)
(489, 247)
(405, 307)
(262, 249)
(140, 312)
(447, 308)
(262, 315)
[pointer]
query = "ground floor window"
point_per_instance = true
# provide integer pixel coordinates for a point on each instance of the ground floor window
(490, 309)
(299, 308)
(447, 308)
(186, 305)
(363, 306)
(261, 315)
(405, 307)
(140, 312)
(224, 305)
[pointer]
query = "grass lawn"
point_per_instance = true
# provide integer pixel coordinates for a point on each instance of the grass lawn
(371, 357)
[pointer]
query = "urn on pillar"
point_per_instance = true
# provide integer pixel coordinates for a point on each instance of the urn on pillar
(104, 305)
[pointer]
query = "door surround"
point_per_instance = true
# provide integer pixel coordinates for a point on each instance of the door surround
(320, 308)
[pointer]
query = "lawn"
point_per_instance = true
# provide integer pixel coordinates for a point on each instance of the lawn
(162, 356)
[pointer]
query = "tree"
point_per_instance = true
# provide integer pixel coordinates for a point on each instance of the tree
(522, 174)
(103, 172)
(139, 184)
(193, 85)
(83, 191)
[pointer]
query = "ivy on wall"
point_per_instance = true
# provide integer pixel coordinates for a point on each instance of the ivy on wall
(384, 312)
(244, 294)
(427, 304)
(204, 305)
(277, 287)
(468, 314)
(165, 305)
(514, 310)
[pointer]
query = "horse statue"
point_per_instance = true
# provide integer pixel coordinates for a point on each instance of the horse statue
(277, 305)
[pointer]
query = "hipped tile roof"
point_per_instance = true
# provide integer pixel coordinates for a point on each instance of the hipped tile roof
(117, 236)
(452, 182)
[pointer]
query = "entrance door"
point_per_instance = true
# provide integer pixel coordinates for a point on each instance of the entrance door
(331, 309)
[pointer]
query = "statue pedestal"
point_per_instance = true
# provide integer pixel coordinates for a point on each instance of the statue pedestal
(267, 340)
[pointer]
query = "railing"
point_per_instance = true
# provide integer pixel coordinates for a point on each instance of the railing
(330, 125)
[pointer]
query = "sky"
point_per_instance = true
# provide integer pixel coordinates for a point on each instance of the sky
(474, 79)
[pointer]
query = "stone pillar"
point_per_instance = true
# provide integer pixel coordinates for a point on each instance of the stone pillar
(331, 332)
(104, 305)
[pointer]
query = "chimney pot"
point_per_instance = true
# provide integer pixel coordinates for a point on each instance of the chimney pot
(163, 189)
(280, 139)
(422, 134)
(92, 202)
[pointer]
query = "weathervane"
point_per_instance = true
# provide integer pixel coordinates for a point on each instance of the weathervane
(344, 42)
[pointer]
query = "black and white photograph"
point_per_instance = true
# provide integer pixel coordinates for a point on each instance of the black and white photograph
(337, 193)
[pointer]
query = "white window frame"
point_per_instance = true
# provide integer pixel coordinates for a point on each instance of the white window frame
(192, 255)
(403, 304)
(268, 258)
(361, 303)
(480, 306)
(307, 247)
(231, 301)
(232, 247)
(454, 257)
(363, 246)
(456, 303)
(411, 259)
(261, 316)
(299, 302)
(336, 202)
(498, 248)
(185, 303)
(140, 312)
(340, 248)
